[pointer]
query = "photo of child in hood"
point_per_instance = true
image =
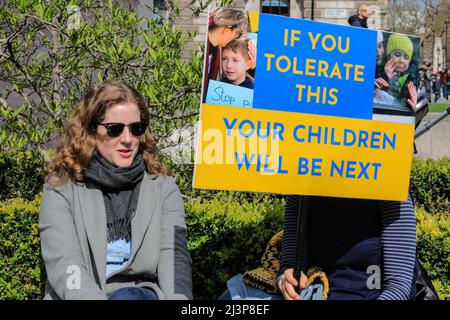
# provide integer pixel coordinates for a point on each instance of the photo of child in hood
(396, 83)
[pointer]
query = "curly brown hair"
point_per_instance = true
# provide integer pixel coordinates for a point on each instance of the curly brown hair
(77, 145)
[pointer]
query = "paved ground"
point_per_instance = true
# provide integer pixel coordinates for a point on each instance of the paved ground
(434, 143)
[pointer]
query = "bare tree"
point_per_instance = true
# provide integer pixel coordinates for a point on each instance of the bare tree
(424, 18)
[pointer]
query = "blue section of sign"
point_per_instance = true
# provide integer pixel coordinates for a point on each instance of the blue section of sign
(228, 94)
(313, 67)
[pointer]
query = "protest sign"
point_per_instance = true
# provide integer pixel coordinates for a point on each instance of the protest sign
(311, 127)
(313, 67)
(293, 153)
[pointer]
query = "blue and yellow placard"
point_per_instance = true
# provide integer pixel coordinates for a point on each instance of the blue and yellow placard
(292, 153)
(309, 129)
(313, 67)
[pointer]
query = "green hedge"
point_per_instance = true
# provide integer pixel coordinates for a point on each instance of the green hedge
(433, 248)
(22, 274)
(226, 236)
(21, 174)
(430, 184)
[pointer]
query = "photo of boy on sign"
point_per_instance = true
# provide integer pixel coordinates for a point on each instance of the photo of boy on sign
(397, 74)
(230, 59)
(236, 62)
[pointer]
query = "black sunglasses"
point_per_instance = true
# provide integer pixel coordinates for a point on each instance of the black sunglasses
(115, 129)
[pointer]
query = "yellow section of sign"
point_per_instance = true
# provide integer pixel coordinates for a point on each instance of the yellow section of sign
(291, 153)
(253, 17)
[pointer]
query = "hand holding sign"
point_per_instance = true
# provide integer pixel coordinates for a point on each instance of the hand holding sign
(324, 77)
(412, 92)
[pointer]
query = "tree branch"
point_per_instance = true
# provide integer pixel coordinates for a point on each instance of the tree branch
(27, 76)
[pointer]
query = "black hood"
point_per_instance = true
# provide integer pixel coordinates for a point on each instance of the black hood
(352, 19)
(357, 21)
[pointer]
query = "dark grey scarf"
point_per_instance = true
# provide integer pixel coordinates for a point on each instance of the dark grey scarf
(120, 187)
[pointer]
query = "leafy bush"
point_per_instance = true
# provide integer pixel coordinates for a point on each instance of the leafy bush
(433, 248)
(21, 174)
(52, 52)
(228, 237)
(22, 274)
(430, 184)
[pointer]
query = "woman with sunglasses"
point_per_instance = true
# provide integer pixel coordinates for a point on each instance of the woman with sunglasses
(112, 220)
(224, 25)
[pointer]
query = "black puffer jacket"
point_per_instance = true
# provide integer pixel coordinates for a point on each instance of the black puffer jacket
(355, 21)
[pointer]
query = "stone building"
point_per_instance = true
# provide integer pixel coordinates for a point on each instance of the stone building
(331, 11)
(319, 10)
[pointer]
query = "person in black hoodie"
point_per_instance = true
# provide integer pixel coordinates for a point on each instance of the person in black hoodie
(360, 19)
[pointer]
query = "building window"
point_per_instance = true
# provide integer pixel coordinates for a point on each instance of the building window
(280, 7)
